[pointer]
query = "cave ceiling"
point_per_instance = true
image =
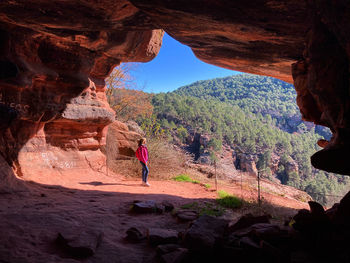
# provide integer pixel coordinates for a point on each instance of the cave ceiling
(53, 52)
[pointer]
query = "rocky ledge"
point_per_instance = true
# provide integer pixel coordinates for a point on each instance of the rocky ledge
(314, 235)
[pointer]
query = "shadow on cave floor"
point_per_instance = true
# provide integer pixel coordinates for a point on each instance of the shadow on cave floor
(30, 222)
(97, 183)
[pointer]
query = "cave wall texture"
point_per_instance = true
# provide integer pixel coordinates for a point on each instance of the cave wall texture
(55, 55)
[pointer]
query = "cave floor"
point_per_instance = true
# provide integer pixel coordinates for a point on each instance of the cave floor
(30, 221)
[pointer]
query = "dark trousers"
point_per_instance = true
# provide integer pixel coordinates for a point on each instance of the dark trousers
(145, 172)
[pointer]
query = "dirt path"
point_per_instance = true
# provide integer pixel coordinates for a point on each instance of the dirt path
(98, 204)
(118, 184)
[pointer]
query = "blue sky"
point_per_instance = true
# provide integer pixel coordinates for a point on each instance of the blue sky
(175, 66)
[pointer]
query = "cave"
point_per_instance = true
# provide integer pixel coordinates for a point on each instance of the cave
(55, 56)
(54, 62)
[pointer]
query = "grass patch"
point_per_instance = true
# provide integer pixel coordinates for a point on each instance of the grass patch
(185, 178)
(207, 186)
(222, 193)
(205, 208)
(228, 201)
(182, 178)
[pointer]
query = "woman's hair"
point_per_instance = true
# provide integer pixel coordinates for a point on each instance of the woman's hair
(142, 141)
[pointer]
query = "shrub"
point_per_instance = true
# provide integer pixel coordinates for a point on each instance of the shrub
(182, 178)
(228, 201)
(185, 178)
(165, 159)
(182, 134)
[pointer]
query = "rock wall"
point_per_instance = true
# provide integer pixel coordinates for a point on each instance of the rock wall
(54, 56)
(267, 37)
(258, 36)
(321, 80)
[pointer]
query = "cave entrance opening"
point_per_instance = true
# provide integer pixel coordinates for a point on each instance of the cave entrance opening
(250, 122)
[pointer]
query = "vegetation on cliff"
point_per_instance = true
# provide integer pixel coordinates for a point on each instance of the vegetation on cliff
(252, 115)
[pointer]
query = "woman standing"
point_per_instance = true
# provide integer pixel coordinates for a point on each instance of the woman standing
(142, 155)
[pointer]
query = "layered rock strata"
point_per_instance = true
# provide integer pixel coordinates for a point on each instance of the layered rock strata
(54, 58)
(51, 52)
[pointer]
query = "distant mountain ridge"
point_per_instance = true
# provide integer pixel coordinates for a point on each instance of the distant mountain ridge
(257, 117)
(256, 94)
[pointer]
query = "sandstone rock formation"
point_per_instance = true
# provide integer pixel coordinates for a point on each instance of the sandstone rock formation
(262, 37)
(121, 142)
(8, 181)
(245, 162)
(321, 80)
(54, 56)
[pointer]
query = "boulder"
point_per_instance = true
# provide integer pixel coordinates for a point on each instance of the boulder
(248, 220)
(144, 207)
(205, 233)
(79, 245)
(177, 256)
(159, 236)
(246, 163)
(135, 235)
(262, 230)
(168, 207)
(312, 221)
(121, 142)
(303, 220)
(166, 248)
(248, 243)
(186, 215)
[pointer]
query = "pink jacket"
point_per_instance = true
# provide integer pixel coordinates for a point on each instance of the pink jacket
(142, 154)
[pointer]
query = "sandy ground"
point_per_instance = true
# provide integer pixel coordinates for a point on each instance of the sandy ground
(30, 221)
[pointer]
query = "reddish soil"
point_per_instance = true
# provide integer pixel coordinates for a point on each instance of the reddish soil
(30, 221)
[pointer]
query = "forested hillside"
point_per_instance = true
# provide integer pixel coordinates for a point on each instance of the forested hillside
(254, 115)
(267, 96)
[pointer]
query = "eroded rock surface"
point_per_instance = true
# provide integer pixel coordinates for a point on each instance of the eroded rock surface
(54, 56)
(262, 37)
(321, 80)
(121, 142)
(266, 37)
